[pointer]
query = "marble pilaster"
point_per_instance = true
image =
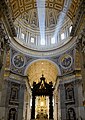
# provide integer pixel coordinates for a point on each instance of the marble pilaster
(21, 102)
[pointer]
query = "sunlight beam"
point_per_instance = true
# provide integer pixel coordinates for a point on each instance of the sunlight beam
(62, 16)
(41, 18)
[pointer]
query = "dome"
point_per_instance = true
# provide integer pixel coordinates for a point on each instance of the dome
(42, 25)
(49, 36)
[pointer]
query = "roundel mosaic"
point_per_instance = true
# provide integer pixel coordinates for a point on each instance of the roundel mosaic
(66, 61)
(18, 61)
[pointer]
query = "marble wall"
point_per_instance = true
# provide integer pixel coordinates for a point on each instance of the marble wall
(12, 99)
(71, 99)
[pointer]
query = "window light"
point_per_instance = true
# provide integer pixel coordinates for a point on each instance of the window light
(53, 41)
(32, 40)
(22, 35)
(70, 28)
(62, 36)
(42, 42)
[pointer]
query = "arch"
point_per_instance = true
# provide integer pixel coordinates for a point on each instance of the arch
(57, 67)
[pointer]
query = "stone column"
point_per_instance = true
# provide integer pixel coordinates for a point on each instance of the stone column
(21, 101)
(33, 108)
(80, 46)
(28, 109)
(59, 105)
(3, 85)
(5, 99)
(51, 107)
(56, 106)
(62, 101)
(25, 105)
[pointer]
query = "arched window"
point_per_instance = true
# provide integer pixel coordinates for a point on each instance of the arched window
(62, 36)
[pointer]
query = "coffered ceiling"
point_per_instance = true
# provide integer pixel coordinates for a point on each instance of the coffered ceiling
(20, 6)
(36, 69)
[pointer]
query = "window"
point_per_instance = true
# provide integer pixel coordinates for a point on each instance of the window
(62, 36)
(32, 40)
(53, 41)
(22, 35)
(16, 28)
(70, 28)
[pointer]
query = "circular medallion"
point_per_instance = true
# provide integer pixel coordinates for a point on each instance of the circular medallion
(66, 61)
(18, 61)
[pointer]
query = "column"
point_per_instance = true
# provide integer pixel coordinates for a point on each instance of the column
(55, 106)
(62, 101)
(29, 95)
(33, 108)
(59, 104)
(28, 109)
(5, 99)
(21, 101)
(3, 83)
(80, 46)
(25, 104)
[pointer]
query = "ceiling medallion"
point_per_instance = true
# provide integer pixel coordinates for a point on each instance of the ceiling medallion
(66, 61)
(18, 61)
